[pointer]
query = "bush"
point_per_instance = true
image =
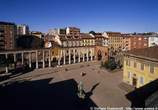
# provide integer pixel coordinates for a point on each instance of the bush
(111, 64)
(106, 64)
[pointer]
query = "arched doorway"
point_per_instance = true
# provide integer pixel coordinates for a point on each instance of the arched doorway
(99, 54)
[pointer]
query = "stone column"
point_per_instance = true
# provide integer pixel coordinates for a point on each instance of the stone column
(43, 59)
(22, 58)
(58, 61)
(74, 56)
(83, 55)
(6, 68)
(49, 58)
(14, 57)
(36, 59)
(64, 56)
(87, 55)
(79, 55)
(14, 60)
(59, 58)
(69, 57)
(91, 55)
(30, 59)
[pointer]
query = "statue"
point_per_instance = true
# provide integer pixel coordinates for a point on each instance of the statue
(80, 90)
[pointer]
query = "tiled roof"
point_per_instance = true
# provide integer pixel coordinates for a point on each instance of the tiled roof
(150, 52)
(68, 37)
(85, 35)
(138, 36)
(6, 23)
(74, 28)
(126, 35)
(118, 34)
(113, 32)
(100, 36)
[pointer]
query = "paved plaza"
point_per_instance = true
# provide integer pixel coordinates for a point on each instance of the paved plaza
(104, 86)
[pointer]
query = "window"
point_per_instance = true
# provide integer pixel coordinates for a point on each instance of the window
(141, 80)
(145, 44)
(129, 75)
(135, 65)
(142, 66)
(70, 43)
(151, 68)
(139, 38)
(64, 44)
(128, 62)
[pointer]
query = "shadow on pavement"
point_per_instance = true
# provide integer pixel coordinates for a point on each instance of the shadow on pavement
(90, 93)
(145, 96)
(40, 95)
(16, 72)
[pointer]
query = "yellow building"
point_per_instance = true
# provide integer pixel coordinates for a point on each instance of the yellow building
(140, 66)
(115, 40)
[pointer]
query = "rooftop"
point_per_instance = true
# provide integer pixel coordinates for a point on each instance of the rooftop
(150, 52)
(6, 23)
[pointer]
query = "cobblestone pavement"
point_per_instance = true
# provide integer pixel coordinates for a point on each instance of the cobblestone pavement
(106, 91)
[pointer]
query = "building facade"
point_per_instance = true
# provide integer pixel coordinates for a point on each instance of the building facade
(152, 39)
(72, 49)
(115, 39)
(126, 42)
(22, 29)
(72, 31)
(77, 47)
(134, 42)
(8, 33)
(101, 47)
(138, 42)
(37, 34)
(140, 66)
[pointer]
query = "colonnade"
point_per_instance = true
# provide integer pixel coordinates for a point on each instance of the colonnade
(74, 56)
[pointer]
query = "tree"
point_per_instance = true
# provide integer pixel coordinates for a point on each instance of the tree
(112, 64)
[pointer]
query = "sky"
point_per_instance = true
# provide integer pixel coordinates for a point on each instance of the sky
(97, 15)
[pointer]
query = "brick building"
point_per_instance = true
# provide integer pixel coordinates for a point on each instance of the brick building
(134, 42)
(101, 47)
(8, 33)
(138, 42)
